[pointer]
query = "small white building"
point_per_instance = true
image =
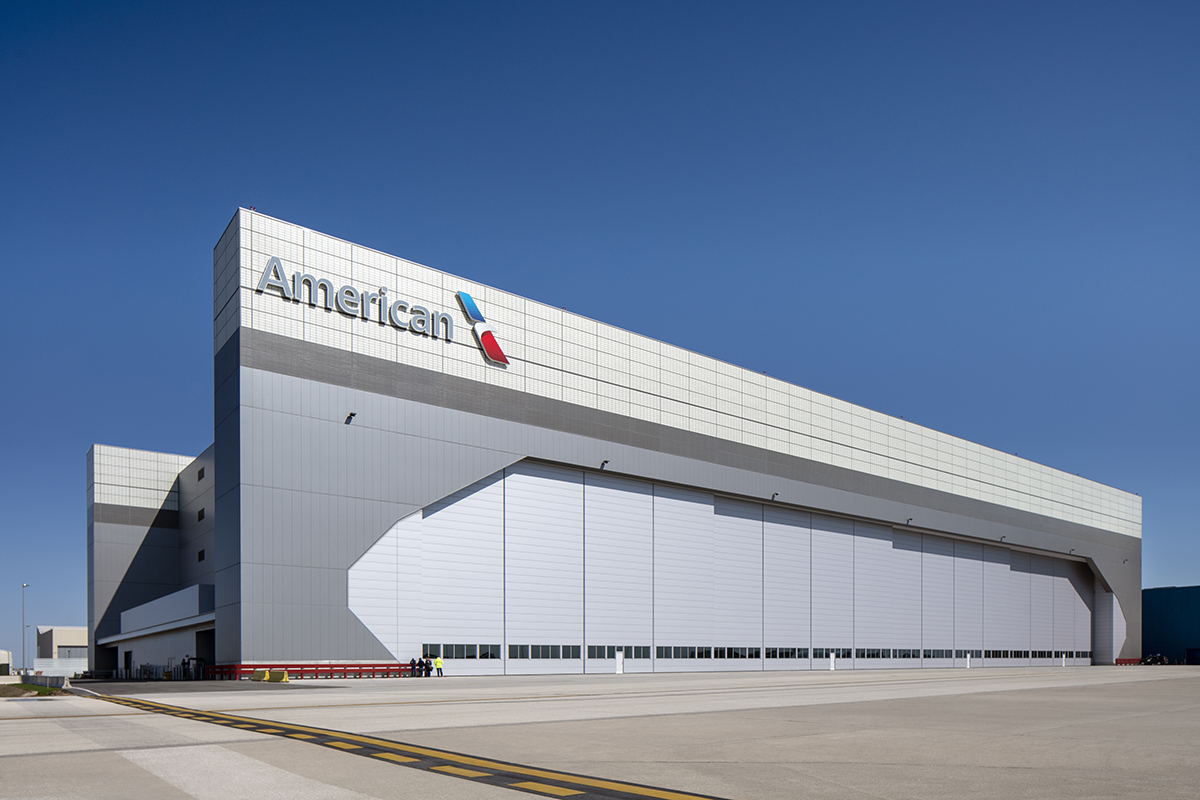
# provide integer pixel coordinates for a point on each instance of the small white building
(61, 650)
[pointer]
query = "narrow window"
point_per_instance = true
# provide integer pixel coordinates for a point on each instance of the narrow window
(200, 556)
(200, 474)
(200, 515)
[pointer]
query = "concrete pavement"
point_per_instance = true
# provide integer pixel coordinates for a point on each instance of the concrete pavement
(1074, 732)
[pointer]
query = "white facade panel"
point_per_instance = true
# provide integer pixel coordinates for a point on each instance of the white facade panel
(561, 349)
(738, 578)
(683, 574)
(618, 569)
(787, 582)
(543, 566)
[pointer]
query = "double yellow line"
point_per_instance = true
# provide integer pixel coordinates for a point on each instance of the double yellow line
(499, 773)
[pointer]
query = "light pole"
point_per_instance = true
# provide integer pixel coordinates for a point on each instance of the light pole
(24, 586)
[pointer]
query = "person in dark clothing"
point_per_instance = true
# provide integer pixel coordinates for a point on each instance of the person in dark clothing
(412, 668)
(428, 666)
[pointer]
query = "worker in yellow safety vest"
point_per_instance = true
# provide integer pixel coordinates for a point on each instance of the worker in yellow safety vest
(437, 662)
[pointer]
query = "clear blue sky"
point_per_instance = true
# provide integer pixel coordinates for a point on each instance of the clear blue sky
(980, 217)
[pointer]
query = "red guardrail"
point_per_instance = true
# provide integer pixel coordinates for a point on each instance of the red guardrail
(1128, 662)
(233, 672)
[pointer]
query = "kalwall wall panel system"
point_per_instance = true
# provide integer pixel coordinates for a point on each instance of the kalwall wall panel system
(738, 578)
(874, 621)
(907, 588)
(618, 582)
(543, 563)
(683, 574)
(937, 598)
(787, 576)
(832, 585)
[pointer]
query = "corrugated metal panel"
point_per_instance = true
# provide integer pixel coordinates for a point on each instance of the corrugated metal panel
(1064, 607)
(874, 612)
(463, 572)
(683, 573)
(833, 584)
(996, 622)
(1082, 583)
(618, 567)
(1019, 576)
(906, 595)
(787, 544)
(937, 596)
(968, 598)
(1041, 606)
(543, 531)
(372, 589)
(737, 579)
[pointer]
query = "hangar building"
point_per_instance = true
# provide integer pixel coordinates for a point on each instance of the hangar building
(407, 462)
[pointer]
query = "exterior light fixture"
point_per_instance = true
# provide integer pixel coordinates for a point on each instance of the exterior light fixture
(350, 417)
(602, 463)
(774, 495)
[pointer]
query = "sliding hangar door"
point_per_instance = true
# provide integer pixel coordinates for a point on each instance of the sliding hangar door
(546, 569)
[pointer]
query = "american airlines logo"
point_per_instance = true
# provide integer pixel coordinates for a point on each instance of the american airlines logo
(367, 305)
(483, 332)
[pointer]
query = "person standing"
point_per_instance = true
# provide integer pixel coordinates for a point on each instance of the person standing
(428, 667)
(437, 662)
(412, 668)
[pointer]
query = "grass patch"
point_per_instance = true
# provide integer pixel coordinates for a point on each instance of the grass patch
(29, 690)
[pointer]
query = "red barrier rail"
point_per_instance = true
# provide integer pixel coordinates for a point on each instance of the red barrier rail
(1128, 662)
(234, 672)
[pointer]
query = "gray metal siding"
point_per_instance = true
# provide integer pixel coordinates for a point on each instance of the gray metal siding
(832, 584)
(787, 582)
(906, 590)
(738, 578)
(543, 562)
(683, 573)
(618, 567)
(937, 596)
(968, 598)
(874, 623)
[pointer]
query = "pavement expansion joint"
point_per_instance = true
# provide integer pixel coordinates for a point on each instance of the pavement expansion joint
(477, 769)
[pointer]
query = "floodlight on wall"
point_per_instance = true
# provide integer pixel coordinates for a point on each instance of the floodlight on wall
(773, 496)
(602, 463)
(910, 519)
(350, 417)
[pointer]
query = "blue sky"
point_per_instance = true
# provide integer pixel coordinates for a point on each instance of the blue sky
(980, 217)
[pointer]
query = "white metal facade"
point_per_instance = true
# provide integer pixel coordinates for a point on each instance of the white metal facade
(548, 557)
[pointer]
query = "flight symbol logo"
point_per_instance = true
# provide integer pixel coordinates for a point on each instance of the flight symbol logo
(483, 332)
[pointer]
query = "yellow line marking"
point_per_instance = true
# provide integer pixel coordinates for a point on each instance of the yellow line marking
(466, 773)
(513, 769)
(345, 745)
(300, 736)
(245, 726)
(547, 788)
(394, 757)
(269, 730)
